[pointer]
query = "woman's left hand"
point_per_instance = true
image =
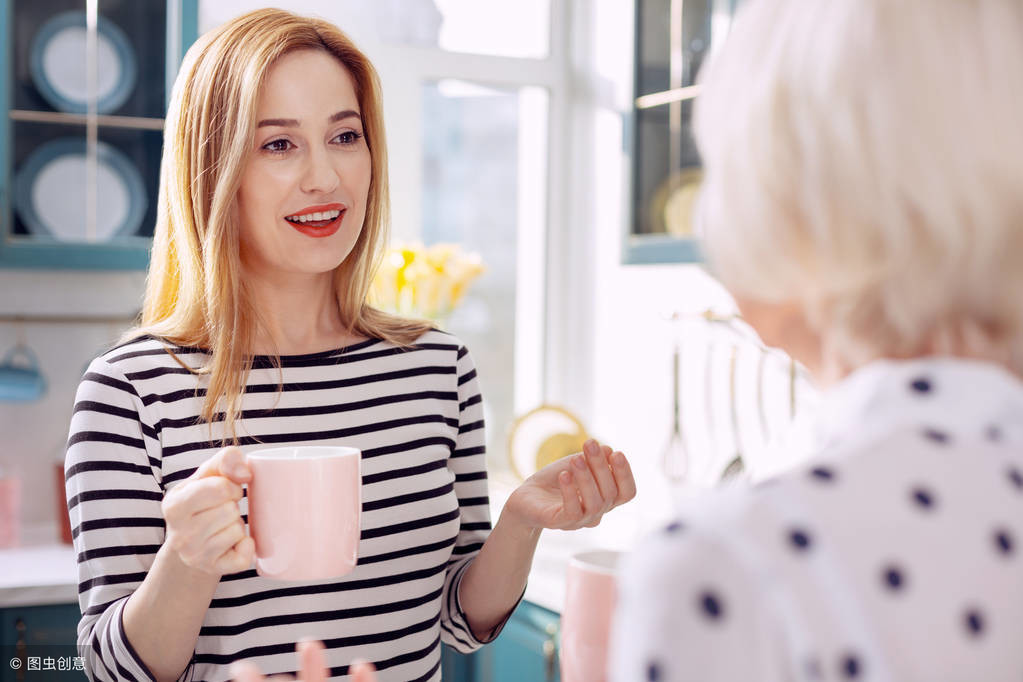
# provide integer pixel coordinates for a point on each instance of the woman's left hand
(575, 491)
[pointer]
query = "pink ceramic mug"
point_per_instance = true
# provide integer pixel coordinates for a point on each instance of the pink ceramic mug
(10, 511)
(304, 506)
(590, 595)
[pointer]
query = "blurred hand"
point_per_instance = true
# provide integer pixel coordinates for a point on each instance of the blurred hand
(204, 523)
(573, 492)
(312, 667)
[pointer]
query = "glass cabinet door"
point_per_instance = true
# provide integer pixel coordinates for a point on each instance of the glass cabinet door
(673, 38)
(83, 92)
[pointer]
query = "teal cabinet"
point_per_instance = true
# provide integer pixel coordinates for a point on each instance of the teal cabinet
(671, 40)
(39, 643)
(525, 651)
(81, 127)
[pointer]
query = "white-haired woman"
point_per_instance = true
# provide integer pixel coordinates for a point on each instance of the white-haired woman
(862, 201)
(255, 329)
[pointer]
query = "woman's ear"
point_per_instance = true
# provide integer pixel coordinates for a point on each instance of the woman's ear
(785, 325)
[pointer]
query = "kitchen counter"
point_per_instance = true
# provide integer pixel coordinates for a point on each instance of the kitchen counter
(41, 571)
(46, 574)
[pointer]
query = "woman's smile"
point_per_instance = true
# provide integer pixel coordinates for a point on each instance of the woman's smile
(318, 221)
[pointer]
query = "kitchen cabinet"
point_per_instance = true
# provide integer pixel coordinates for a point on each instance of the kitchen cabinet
(673, 38)
(43, 642)
(84, 86)
(527, 649)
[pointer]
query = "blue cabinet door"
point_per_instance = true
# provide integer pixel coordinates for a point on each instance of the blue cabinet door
(39, 643)
(456, 667)
(525, 651)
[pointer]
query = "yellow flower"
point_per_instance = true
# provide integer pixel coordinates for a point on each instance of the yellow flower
(424, 282)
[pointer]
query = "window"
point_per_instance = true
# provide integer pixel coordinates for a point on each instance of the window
(483, 186)
(505, 29)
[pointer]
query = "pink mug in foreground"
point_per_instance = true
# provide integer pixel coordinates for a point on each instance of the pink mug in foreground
(586, 619)
(304, 506)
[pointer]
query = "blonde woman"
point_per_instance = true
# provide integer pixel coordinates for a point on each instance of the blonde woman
(255, 330)
(862, 202)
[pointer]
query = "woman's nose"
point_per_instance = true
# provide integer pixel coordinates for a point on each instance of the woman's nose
(320, 176)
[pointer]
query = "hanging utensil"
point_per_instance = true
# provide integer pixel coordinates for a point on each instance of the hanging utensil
(792, 388)
(675, 460)
(765, 434)
(736, 467)
(708, 401)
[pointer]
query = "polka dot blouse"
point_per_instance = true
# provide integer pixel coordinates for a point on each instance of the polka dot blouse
(896, 553)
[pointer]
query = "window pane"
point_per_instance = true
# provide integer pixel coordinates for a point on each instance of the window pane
(484, 180)
(507, 29)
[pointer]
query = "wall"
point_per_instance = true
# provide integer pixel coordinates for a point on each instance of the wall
(34, 434)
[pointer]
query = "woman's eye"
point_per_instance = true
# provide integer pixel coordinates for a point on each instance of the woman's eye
(277, 146)
(348, 137)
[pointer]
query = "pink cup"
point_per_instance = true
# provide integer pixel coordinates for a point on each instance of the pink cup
(10, 511)
(586, 619)
(305, 505)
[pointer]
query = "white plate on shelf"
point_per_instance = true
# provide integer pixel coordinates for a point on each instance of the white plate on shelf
(58, 64)
(50, 192)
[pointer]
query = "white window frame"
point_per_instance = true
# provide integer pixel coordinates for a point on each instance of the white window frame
(540, 238)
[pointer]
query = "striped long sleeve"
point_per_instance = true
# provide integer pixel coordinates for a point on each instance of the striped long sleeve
(469, 467)
(415, 413)
(114, 494)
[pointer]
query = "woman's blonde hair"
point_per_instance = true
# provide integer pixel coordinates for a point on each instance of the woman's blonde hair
(195, 295)
(864, 157)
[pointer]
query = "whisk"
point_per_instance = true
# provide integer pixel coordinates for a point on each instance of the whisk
(675, 460)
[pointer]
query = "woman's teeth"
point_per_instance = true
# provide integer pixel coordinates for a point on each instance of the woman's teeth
(313, 217)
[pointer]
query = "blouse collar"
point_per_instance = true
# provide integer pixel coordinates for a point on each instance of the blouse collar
(944, 397)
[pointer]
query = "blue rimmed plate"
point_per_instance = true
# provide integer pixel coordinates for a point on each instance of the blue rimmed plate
(50, 192)
(58, 64)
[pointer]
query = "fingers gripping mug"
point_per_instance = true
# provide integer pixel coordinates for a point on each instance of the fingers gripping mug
(305, 505)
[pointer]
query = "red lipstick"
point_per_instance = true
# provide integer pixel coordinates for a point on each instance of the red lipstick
(308, 223)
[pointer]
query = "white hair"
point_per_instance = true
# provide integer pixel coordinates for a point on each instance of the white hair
(865, 158)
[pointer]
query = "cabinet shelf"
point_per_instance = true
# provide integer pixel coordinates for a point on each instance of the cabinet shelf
(59, 117)
(657, 99)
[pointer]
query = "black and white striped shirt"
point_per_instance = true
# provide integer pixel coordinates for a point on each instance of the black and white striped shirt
(417, 416)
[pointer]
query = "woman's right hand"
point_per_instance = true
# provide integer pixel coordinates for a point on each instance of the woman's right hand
(204, 523)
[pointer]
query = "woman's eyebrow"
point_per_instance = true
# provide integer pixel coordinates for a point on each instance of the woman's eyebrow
(295, 123)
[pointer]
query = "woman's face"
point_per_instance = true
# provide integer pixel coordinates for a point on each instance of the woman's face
(303, 192)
